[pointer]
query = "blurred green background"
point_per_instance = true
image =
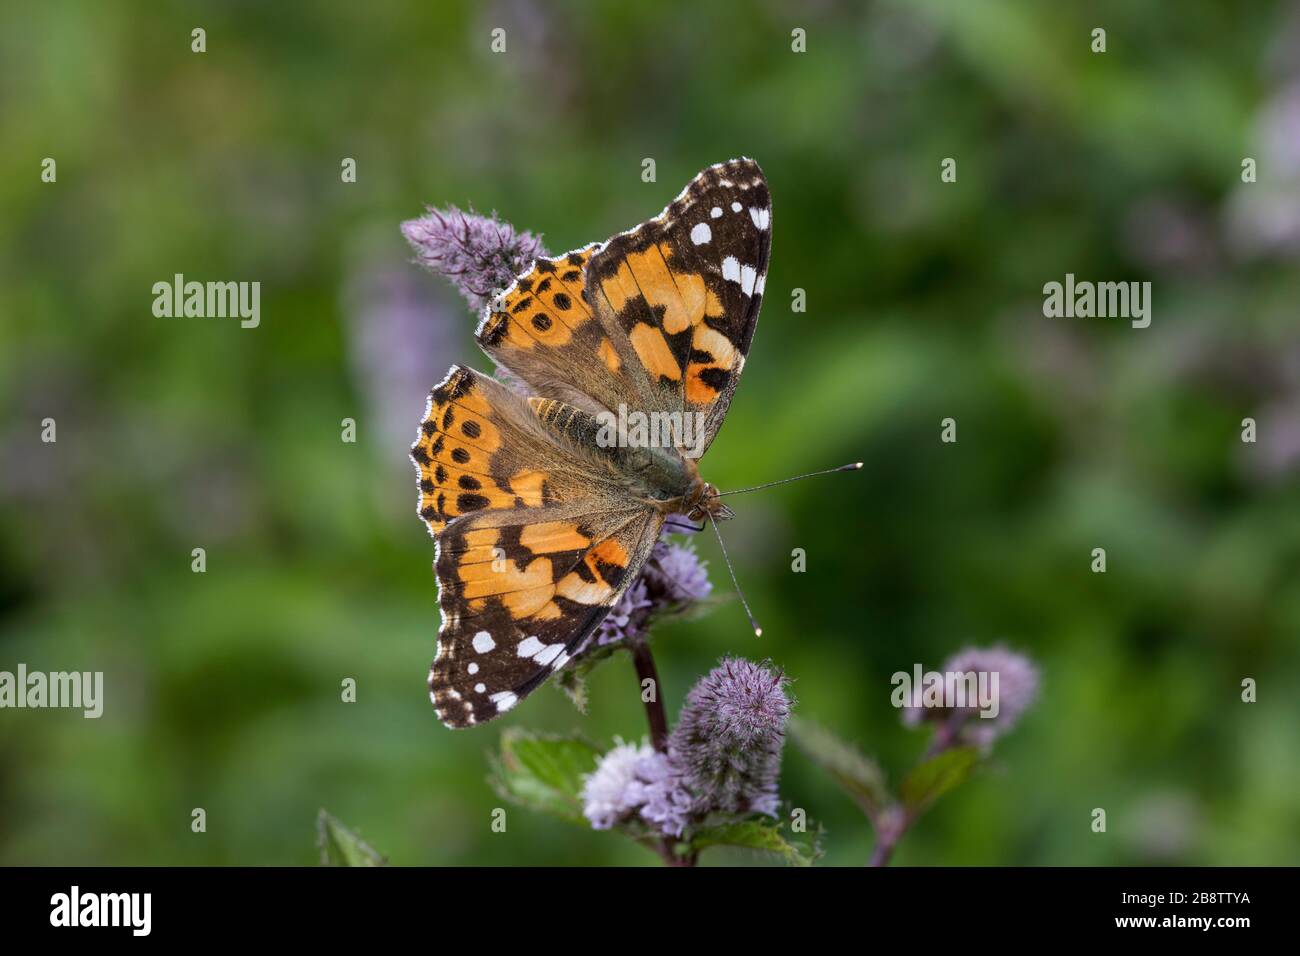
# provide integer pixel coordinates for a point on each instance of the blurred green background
(923, 302)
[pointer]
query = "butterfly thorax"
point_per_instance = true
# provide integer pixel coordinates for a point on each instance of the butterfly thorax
(675, 487)
(663, 477)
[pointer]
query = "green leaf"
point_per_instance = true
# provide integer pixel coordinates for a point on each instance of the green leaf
(764, 835)
(930, 780)
(543, 771)
(856, 773)
(340, 846)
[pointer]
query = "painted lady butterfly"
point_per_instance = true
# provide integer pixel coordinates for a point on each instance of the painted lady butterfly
(544, 508)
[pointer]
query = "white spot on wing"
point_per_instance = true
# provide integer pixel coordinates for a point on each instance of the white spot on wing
(747, 276)
(701, 234)
(731, 268)
(504, 700)
(761, 217)
(483, 642)
(533, 648)
(548, 653)
(480, 688)
(473, 668)
(716, 212)
(735, 207)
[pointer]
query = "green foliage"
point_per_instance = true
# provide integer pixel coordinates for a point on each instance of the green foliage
(856, 773)
(339, 846)
(543, 772)
(934, 777)
(761, 834)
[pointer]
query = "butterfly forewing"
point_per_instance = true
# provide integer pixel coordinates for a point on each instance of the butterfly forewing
(507, 628)
(686, 287)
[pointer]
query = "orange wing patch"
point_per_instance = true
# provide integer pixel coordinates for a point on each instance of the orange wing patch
(544, 307)
(712, 359)
(552, 536)
(609, 355)
(656, 301)
(529, 486)
(653, 351)
(682, 295)
(594, 580)
(456, 454)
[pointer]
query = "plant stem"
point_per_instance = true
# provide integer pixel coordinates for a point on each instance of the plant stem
(644, 662)
(945, 735)
(880, 856)
(894, 822)
(891, 824)
(654, 707)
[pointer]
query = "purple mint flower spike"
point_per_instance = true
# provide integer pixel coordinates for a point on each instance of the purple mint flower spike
(626, 618)
(481, 255)
(1017, 689)
(615, 790)
(668, 804)
(676, 572)
(632, 780)
(723, 757)
(728, 739)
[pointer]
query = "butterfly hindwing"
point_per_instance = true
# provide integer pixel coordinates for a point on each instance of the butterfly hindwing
(685, 288)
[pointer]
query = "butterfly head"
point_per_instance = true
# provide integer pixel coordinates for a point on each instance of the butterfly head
(703, 501)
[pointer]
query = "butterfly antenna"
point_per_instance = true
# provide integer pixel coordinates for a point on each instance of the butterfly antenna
(851, 466)
(758, 631)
